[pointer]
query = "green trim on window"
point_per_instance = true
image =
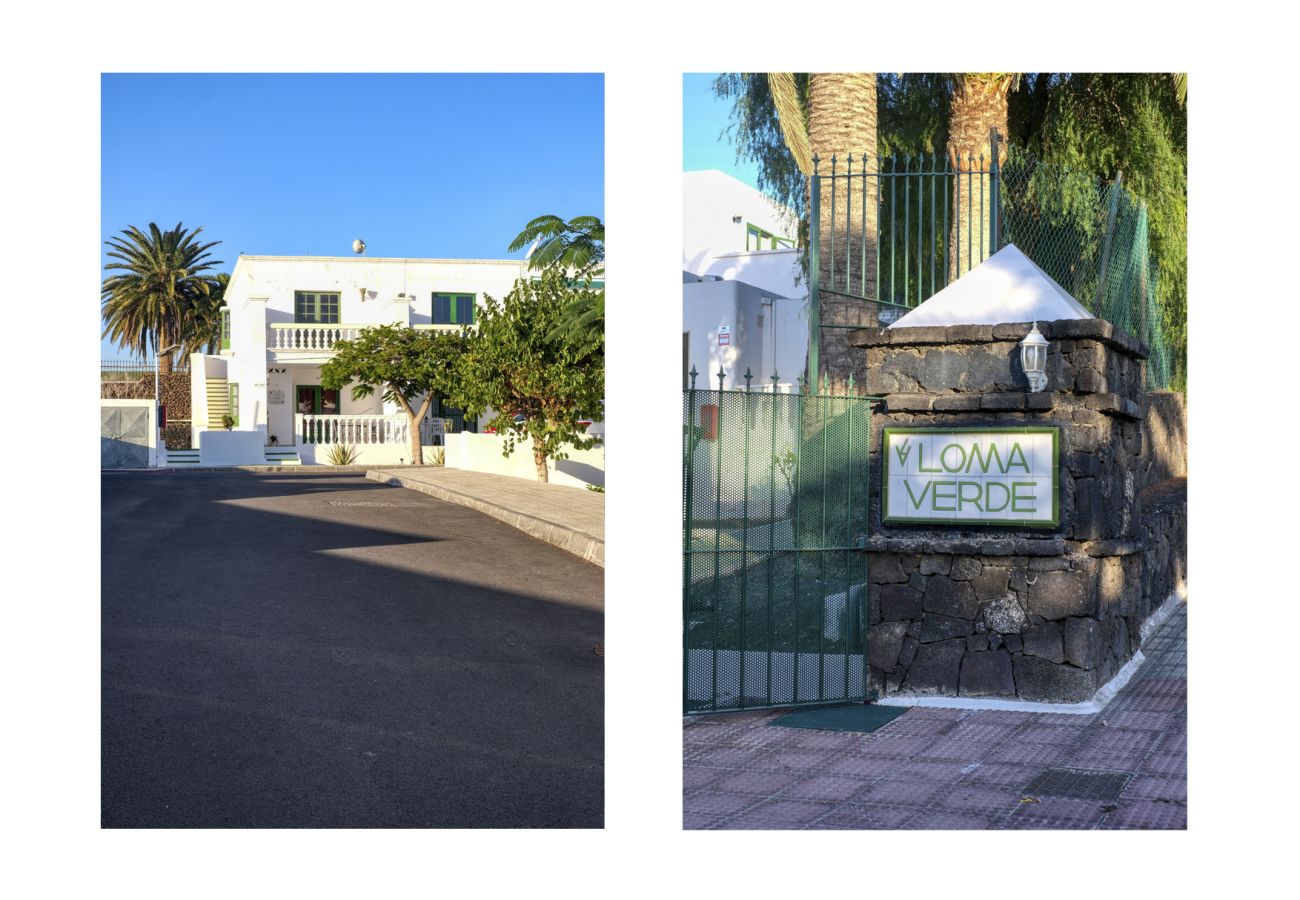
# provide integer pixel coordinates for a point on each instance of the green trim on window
(233, 396)
(316, 307)
(225, 328)
(452, 309)
(761, 236)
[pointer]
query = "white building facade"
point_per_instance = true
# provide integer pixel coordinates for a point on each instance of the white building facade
(744, 300)
(283, 316)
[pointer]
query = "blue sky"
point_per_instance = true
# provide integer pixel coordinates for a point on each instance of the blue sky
(704, 118)
(417, 165)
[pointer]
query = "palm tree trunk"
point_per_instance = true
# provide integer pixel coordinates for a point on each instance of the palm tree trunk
(978, 105)
(842, 123)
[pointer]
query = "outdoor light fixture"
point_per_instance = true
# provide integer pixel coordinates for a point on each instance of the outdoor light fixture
(1033, 358)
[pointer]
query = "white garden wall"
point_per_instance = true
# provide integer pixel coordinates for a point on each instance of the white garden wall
(482, 453)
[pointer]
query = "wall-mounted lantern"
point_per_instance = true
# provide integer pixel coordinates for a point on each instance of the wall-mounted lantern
(1033, 358)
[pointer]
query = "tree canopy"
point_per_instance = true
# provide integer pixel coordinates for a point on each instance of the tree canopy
(541, 381)
(404, 363)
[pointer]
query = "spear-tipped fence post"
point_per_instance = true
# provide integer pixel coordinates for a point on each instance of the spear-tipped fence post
(814, 273)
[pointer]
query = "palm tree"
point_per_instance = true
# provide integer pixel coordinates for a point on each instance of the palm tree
(978, 104)
(840, 122)
(203, 325)
(159, 281)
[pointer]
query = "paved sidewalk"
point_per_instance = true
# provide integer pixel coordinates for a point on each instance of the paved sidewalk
(947, 769)
(571, 518)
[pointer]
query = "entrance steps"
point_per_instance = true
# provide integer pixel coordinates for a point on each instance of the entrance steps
(282, 456)
(182, 457)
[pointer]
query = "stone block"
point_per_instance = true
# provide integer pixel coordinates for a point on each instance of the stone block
(950, 598)
(1040, 401)
(908, 653)
(990, 582)
(900, 602)
(884, 568)
(1089, 381)
(1058, 595)
(885, 643)
(956, 403)
(977, 643)
(1013, 642)
(970, 334)
(1049, 564)
(941, 628)
(908, 402)
(1013, 331)
(936, 564)
(1048, 682)
(987, 674)
(1083, 643)
(964, 568)
(936, 668)
(1044, 641)
(1004, 615)
(1002, 401)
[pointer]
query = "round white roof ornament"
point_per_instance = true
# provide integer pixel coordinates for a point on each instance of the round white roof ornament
(358, 246)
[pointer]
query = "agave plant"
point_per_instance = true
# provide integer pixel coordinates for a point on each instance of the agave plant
(342, 454)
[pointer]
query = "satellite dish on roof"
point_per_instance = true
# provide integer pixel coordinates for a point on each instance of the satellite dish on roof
(358, 246)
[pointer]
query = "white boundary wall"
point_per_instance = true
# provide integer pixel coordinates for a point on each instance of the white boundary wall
(482, 453)
(153, 422)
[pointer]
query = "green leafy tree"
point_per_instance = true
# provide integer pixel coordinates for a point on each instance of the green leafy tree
(576, 247)
(541, 381)
(404, 363)
(158, 281)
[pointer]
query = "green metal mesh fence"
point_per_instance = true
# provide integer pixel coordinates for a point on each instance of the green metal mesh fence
(774, 583)
(932, 222)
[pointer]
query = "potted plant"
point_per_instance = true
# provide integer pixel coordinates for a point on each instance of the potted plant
(227, 421)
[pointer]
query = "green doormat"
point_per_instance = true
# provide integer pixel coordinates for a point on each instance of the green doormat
(855, 717)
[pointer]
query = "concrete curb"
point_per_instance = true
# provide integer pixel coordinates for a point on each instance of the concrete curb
(579, 543)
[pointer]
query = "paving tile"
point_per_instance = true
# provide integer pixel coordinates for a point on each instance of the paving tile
(1103, 758)
(943, 820)
(1034, 823)
(1165, 764)
(717, 803)
(900, 747)
(975, 729)
(1150, 814)
(1063, 735)
(865, 816)
(1001, 774)
(964, 750)
(794, 760)
(757, 782)
(1041, 755)
(696, 778)
(1156, 787)
(725, 756)
(1174, 742)
(861, 767)
(900, 791)
(1119, 740)
(780, 814)
(938, 771)
(694, 821)
(1139, 719)
(976, 799)
(1083, 813)
(825, 787)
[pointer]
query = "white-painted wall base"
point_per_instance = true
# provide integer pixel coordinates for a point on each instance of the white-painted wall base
(482, 453)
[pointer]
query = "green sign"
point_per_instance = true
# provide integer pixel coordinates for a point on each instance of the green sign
(973, 476)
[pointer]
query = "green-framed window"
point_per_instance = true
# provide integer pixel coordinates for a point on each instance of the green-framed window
(225, 328)
(313, 400)
(761, 239)
(453, 309)
(234, 402)
(316, 307)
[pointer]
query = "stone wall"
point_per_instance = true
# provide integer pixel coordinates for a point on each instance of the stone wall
(1035, 614)
(175, 390)
(1164, 540)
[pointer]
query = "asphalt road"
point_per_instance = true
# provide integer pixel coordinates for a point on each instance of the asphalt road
(275, 655)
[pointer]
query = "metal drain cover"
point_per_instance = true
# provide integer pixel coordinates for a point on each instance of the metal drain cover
(360, 503)
(1082, 784)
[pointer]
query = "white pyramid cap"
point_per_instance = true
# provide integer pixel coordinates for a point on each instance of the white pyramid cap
(1006, 287)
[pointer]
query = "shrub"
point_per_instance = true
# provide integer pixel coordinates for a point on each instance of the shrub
(342, 454)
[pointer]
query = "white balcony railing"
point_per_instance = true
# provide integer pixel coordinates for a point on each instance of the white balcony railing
(352, 429)
(310, 338)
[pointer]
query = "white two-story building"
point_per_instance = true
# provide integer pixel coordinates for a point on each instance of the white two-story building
(283, 316)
